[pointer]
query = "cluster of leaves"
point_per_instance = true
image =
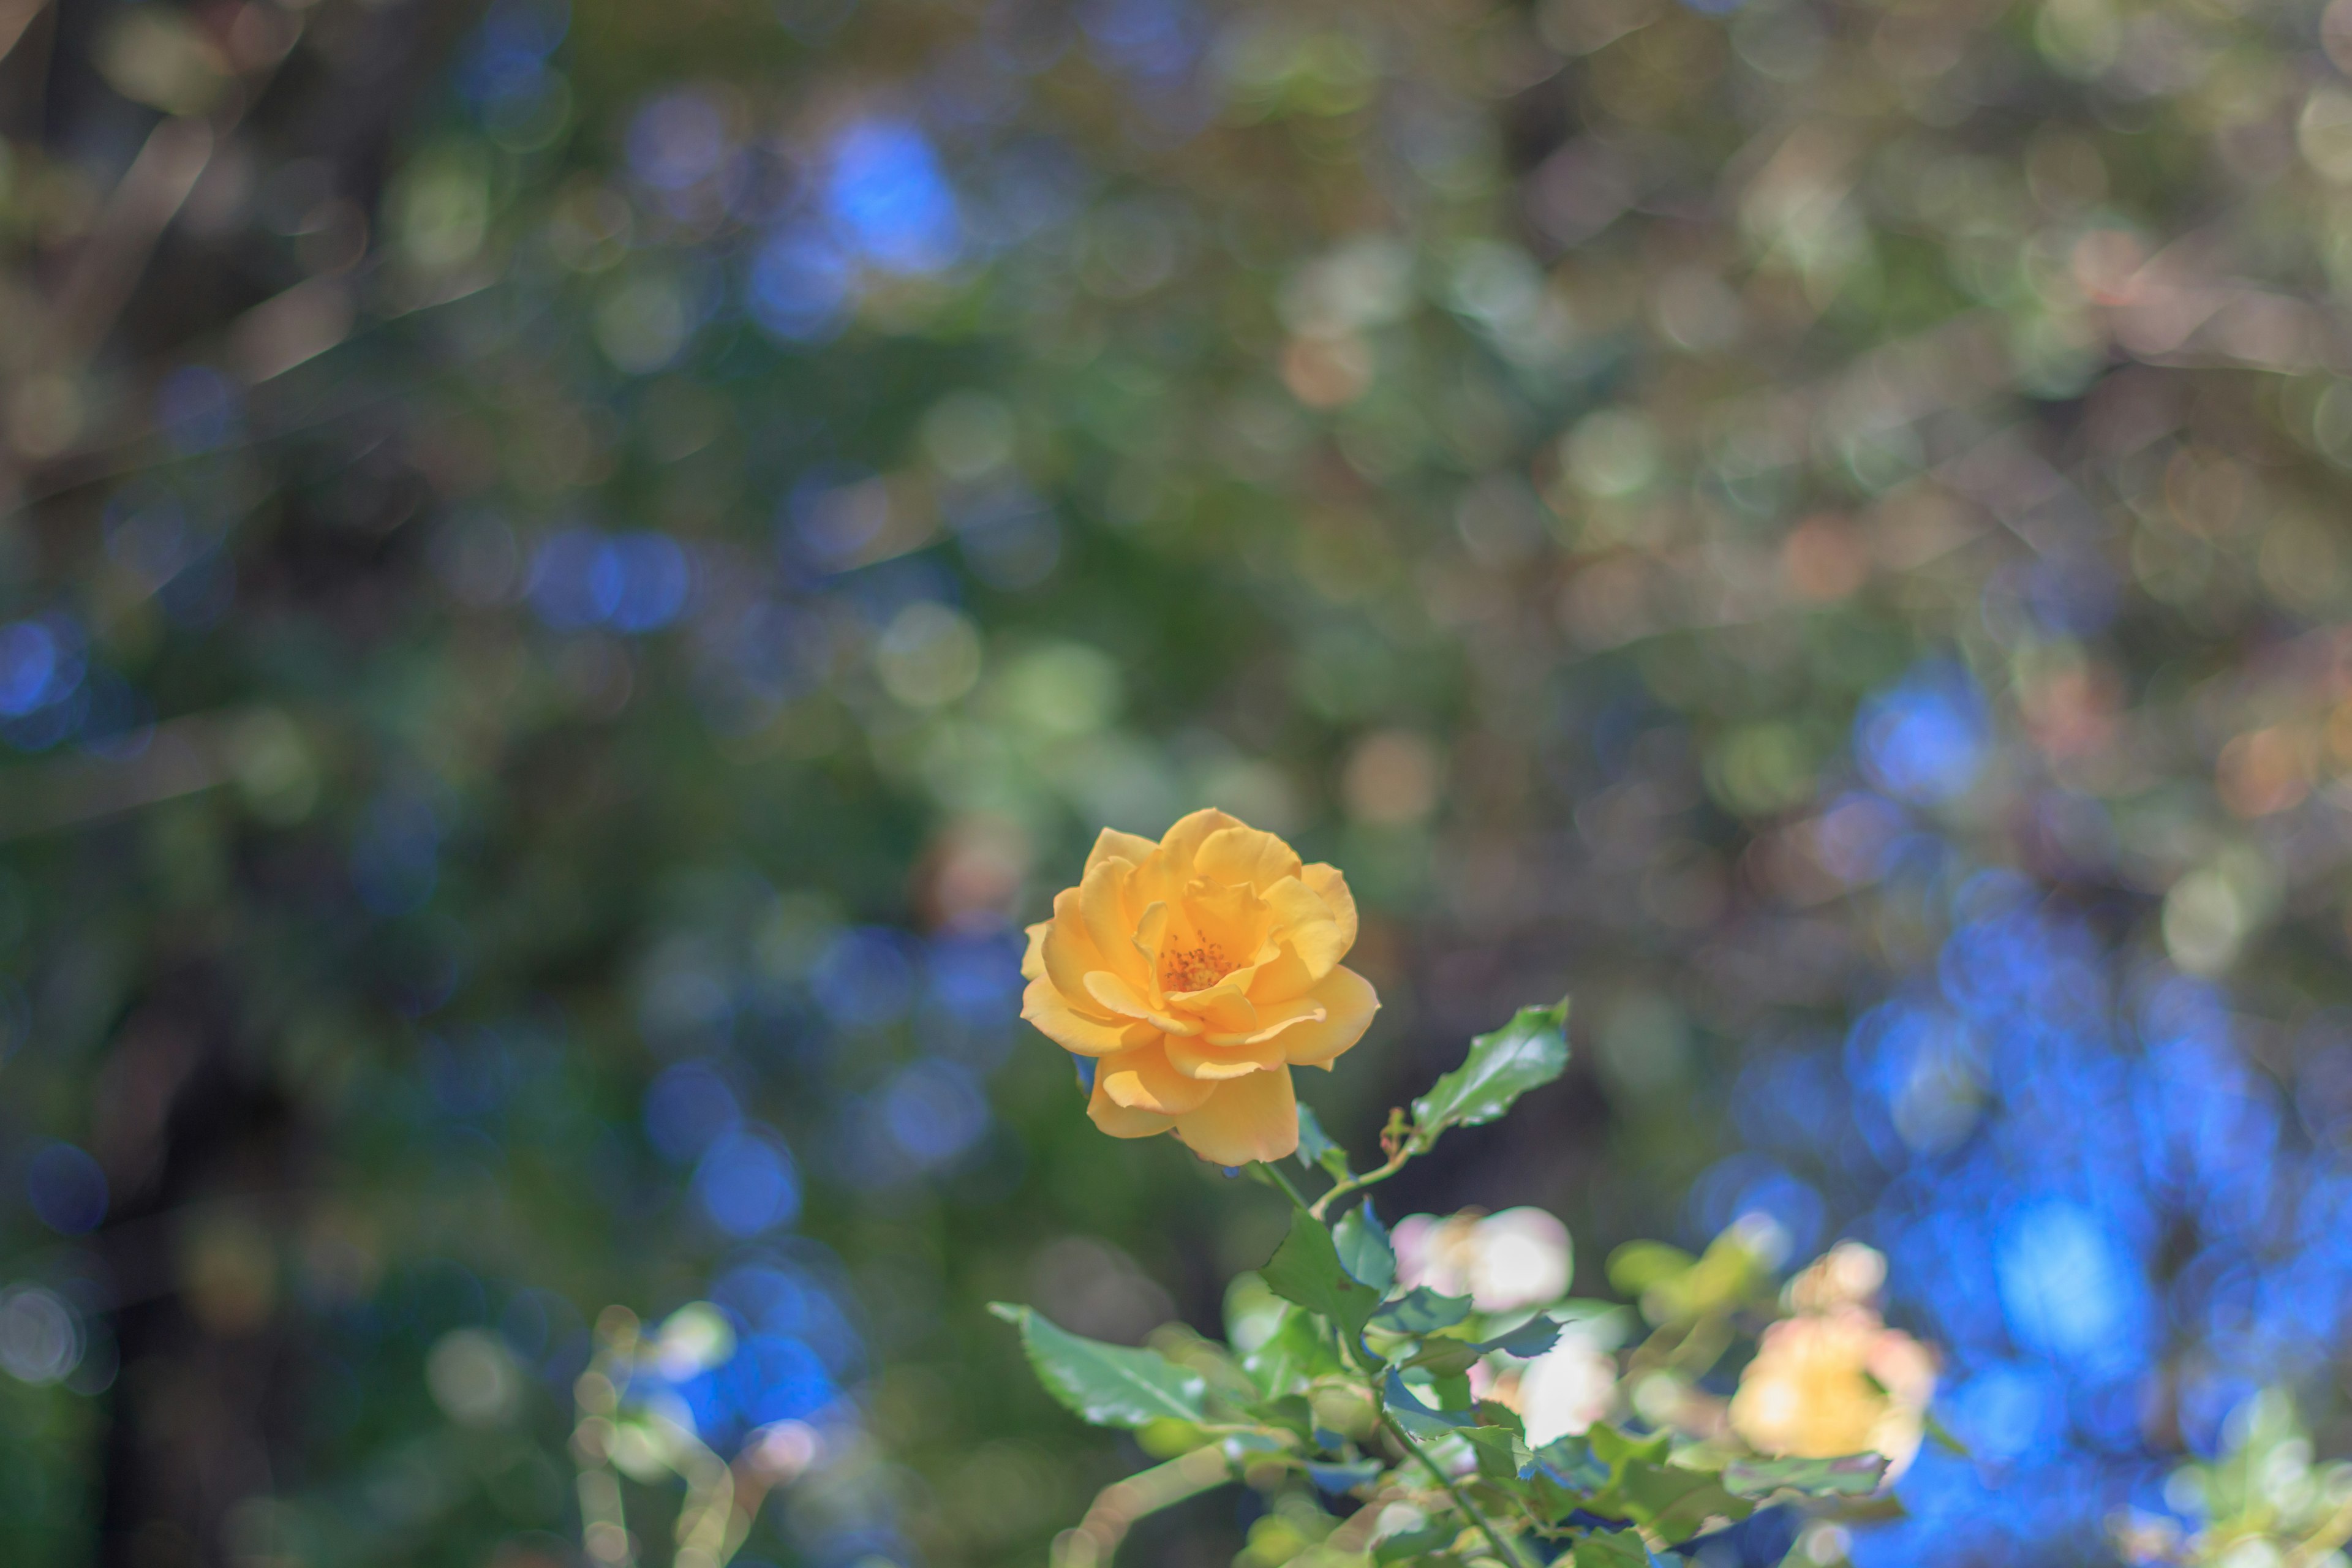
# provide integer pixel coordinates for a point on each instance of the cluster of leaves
(1362, 1391)
(2264, 1500)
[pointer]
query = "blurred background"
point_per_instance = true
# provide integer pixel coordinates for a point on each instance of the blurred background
(569, 574)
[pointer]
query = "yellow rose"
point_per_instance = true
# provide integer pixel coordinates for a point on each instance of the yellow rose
(1199, 971)
(1826, 1384)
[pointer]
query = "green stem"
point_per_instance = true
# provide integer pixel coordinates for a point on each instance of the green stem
(1274, 1173)
(1356, 1184)
(1508, 1552)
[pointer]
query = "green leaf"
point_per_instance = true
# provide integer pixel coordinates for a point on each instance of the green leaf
(1337, 1478)
(1414, 1544)
(1107, 1385)
(1613, 1549)
(1421, 1420)
(1617, 1450)
(1294, 1353)
(1854, 1474)
(1421, 1311)
(1364, 1249)
(1675, 1502)
(1944, 1437)
(1315, 1148)
(1502, 1454)
(1526, 1053)
(1306, 1270)
(1443, 1357)
(1526, 1342)
(1572, 1462)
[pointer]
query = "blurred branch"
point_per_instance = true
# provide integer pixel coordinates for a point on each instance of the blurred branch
(1094, 1541)
(16, 15)
(181, 757)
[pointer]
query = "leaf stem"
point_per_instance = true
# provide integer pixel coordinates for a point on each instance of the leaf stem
(1321, 1206)
(1505, 1550)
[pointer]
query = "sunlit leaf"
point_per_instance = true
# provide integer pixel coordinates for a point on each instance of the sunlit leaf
(1294, 1353)
(1853, 1475)
(1106, 1384)
(1674, 1502)
(1526, 1053)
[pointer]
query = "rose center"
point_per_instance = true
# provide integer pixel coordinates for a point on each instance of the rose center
(1193, 968)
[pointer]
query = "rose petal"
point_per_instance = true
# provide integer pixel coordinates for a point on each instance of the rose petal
(1067, 951)
(1332, 888)
(1246, 855)
(1182, 842)
(1123, 1121)
(1301, 918)
(1348, 1001)
(1224, 1008)
(1142, 1080)
(1120, 997)
(1253, 1118)
(1195, 1058)
(1032, 960)
(1073, 1030)
(1102, 904)
(1110, 844)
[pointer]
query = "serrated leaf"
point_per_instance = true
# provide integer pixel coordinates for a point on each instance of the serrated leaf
(1105, 1385)
(1526, 1342)
(1421, 1420)
(1526, 1053)
(1365, 1251)
(1502, 1454)
(1613, 1549)
(1317, 1149)
(1443, 1357)
(1421, 1311)
(1852, 1474)
(1337, 1478)
(1306, 1270)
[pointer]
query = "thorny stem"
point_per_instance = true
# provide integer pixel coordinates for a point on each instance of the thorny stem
(1505, 1550)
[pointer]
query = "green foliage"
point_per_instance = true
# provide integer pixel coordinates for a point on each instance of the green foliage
(1364, 1249)
(1854, 1474)
(1109, 1386)
(1306, 1269)
(1362, 1385)
(1316, 1150)
(1528, 1052)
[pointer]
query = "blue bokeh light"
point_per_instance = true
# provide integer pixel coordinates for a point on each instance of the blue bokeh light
(687, 1108)
(66, 1189)
(888, 198)
(1925, 738)
(747, 1182)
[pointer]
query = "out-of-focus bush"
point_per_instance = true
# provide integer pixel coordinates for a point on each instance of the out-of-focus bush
(564, 566)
